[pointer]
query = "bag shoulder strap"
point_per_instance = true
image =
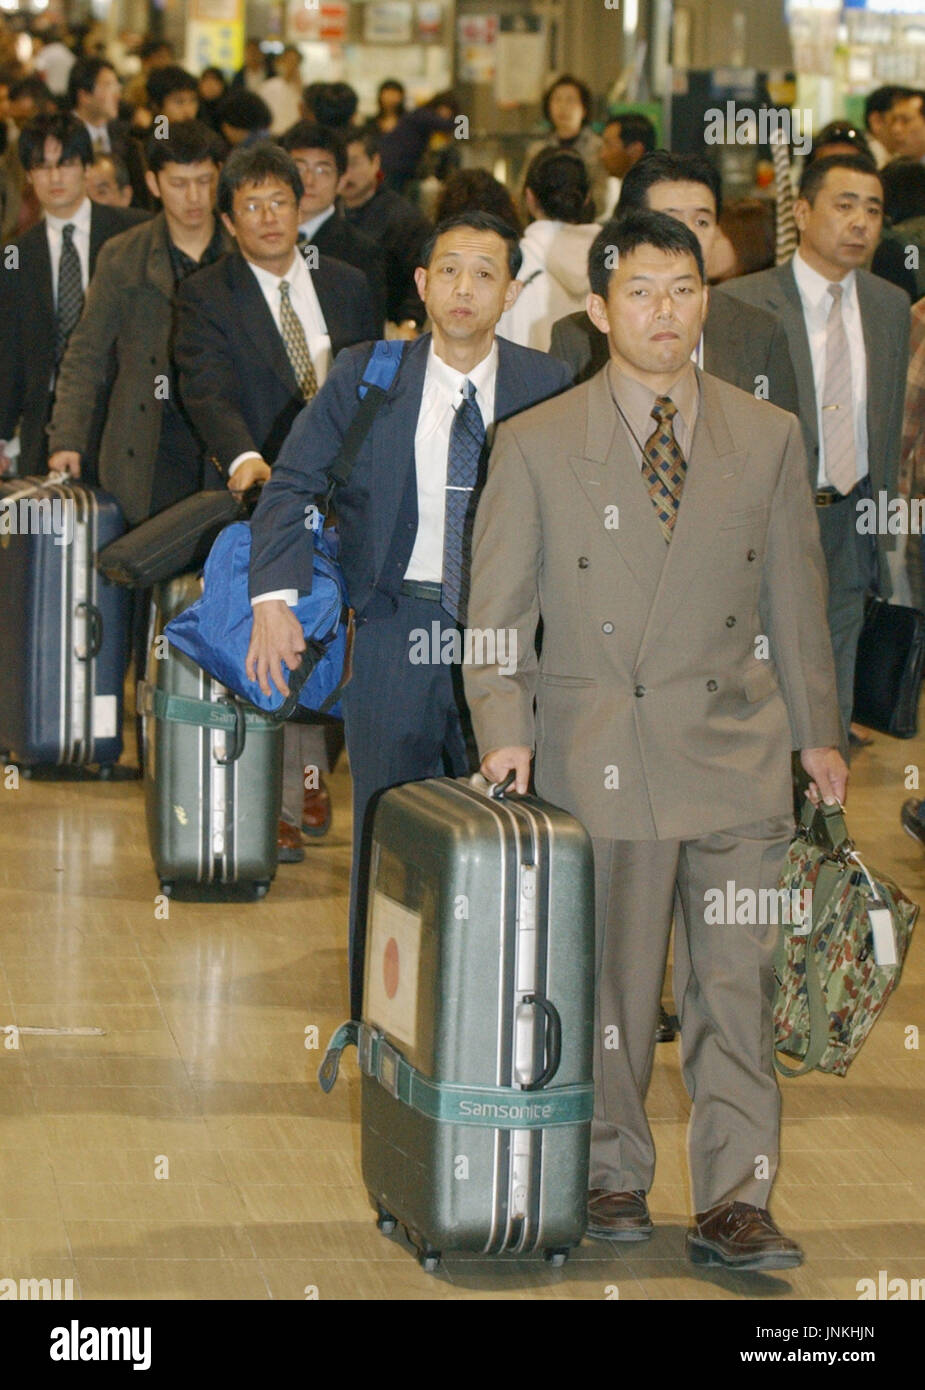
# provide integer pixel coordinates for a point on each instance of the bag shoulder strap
(378, 375)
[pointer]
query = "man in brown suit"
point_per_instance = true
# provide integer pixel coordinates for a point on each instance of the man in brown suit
(678, 574)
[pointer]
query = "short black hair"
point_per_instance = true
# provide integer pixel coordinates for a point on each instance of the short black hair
(903, 189)
(244, 110)
(469, 189)
(152, 46)
(663, 167)
(119, 167)
(639, 228)
(188, 142)
(881, 99)
(308, 135)
(479, 222)
(839, 133)
(635, 129)
(163, 82)
(393, 84)
(68, 130)
(334, 104)
(256, 164)
(567, 80)
(366, 136)
(31, 86)
(813, 176)
(83, 77)
(559, 181)
(903, 94)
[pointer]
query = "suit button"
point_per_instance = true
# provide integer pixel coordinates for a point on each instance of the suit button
(711, 685)
(607, 627)
(153, 361)
(730, 622)
(141, 406)
(131, 453)
(639, 691)
(752, 555)
(583, 562)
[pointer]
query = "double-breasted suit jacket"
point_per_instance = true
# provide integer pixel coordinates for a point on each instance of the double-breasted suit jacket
(674, 680)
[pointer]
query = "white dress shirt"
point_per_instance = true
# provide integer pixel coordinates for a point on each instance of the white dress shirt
(442, 394)
(304, 300)
(817, 303)
(309, 228)
(54, 230)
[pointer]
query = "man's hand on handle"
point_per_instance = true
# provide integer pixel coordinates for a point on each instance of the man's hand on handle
(65, 461)
(250, 471)
(275, 637)
(500, 761)
(829, 773)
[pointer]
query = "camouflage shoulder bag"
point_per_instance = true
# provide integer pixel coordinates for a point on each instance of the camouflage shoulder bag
(838, 966)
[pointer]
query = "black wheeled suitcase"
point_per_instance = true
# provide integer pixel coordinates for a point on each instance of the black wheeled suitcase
(63, 627)
(475, 1045)
(212, 767)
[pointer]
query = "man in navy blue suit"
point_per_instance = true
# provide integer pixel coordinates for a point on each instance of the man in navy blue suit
(404, 516)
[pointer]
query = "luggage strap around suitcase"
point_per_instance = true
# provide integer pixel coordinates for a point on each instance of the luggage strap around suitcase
(492, 1107)
(229, 714)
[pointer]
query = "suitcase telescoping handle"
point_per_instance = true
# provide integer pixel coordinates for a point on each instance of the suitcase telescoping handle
(553, 1041)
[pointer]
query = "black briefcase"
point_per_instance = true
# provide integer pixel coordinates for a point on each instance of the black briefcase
(888, 673)
(174, 542)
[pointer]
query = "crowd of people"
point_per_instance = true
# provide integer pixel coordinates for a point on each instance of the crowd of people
(232, 235)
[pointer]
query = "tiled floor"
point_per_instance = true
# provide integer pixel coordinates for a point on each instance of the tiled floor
(187, 1152)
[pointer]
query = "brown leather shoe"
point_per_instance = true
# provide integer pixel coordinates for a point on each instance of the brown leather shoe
(316, 810)
(289, 844)
(618, 1215)
(738, 1236)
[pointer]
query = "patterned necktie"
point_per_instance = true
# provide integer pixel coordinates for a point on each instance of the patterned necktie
(296, 345)
(664, 466)
(467, 444)
(70, 292)
(837, 413)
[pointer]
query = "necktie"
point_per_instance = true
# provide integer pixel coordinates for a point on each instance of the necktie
(837, 406)
(70, 292)
(295, 344)
(664, 466)
(467, 444)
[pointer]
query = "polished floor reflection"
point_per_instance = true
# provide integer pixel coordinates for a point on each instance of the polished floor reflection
(187, 1152)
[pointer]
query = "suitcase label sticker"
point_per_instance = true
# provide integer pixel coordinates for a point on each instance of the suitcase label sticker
(392, 972)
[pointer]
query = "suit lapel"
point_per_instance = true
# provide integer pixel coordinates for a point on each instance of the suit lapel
(609, 475)
(251, 312)
(158, 270)
(43, 281)
(879, 349)
(784, 301)
(713, 474)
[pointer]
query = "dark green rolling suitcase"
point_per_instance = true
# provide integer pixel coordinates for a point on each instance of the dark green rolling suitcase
(476, 1039)
(213, 767)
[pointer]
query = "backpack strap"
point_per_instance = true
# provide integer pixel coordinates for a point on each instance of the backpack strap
(380, 371)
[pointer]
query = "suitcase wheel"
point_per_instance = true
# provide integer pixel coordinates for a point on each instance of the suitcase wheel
(106, 772)
(166, 888)
(429, 1260)
(556, 1258)
(385, 1220)
(261, 889)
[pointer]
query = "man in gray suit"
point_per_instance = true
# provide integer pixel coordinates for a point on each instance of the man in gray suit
(678, 574)
(740, 344)
(848, 332)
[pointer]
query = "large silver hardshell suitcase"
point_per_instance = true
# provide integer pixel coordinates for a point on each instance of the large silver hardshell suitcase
(476, 1038)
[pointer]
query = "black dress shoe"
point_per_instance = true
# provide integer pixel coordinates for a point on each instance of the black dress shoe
(736, 1235)
(618, 1215)
(911, 823)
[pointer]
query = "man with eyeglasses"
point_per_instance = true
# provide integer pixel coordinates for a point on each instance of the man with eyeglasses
(43, 285)
(320, 155)
(256, 336)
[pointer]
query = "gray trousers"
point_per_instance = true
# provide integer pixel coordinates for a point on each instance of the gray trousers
(306, 748)
(724, 993)
(851, 562)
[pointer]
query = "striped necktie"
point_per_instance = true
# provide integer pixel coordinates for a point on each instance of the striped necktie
(837, 405)
(70, 292)
(296, 344)
(467, 445)
(664, 467)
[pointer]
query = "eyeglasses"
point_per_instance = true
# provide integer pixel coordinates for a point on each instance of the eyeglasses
(321, 171)
(255, 207)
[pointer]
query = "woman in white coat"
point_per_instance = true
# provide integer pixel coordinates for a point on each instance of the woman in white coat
(554, 274)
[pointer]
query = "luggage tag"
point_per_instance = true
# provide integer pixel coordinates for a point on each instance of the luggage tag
(884, 936)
